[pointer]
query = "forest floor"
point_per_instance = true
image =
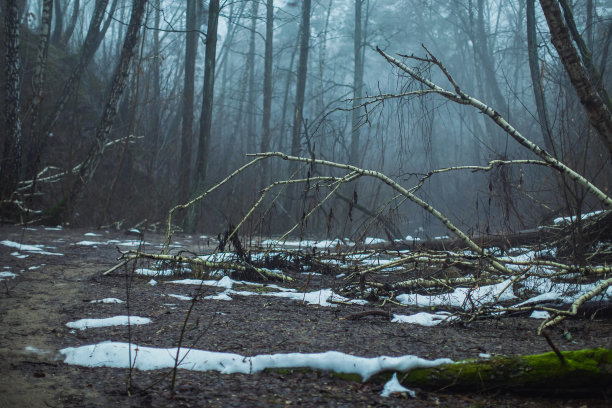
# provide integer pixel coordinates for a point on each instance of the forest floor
(50, 290)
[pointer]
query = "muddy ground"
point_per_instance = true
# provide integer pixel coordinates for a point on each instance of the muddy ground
(51, 290)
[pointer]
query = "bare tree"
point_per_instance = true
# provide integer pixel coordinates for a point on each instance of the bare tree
(357, 84)
(119, 82)
(267, 86)
(191, 48)
(206, 116)
(10, 168)
(596, 107)
(300, 87)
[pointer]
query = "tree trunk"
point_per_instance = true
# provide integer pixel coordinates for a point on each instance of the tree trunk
(579, 372)
(267, 89)
(33, 156)
(191, 48)
(597, 112)
(538, 92)
(300, 87)
(90, 45)
(250, 129)
(206, 117)
(10, 168)
(66, 35)
(357, 85)
(120, 77)
(59, 22)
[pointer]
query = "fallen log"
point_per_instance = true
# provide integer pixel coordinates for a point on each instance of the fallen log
(587, 371)
(504, 241)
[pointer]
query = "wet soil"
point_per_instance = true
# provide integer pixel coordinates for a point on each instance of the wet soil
(51, 290)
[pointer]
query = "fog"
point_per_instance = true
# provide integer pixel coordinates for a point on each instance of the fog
(352, 113)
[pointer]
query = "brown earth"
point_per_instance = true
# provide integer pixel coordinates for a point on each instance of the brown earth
(36, 305)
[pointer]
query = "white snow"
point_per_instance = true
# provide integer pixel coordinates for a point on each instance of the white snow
(92, 234)
(181, 297)
(6, 274)
(373, 241)
(28, 248)
(459, 298)
(540, 314)
(35, 350)
(18, 255)
(573, 218)
(152, 282)
(83, 324)
(107, 300)
(423, 318)
(225, 282)
(393, 386)
(58, 228)
(89, 243)
(322, 297)
(115, 354)
(220, 296)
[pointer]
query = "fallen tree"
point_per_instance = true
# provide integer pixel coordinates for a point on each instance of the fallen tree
(580, 372)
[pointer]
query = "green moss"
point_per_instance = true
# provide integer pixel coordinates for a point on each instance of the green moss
(583, 369)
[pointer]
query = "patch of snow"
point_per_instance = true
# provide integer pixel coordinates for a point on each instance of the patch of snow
(58, 228)
(83, 324)
(373, 241)
(181, 297)
(133, 243)
(573, 218)
(393, 386)
(540, 314)
(33, 267)
(6, 274)
(219, 296)
(341, 275)
(28, 248)
(225, 282)
(484, 355)
(107, 300)
(18, 255)
(36, 350)
(411, 238)
(423, 318)
(152, 282)
(92, 234)
(459, 298)
(115, 354)
(89, 243)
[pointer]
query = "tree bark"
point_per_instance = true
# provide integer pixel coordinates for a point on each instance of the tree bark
(538, 92)
(250, 129)
(90, 45)
(33, 156)
(66, 35)
(357, 85)
(597, 112)
(579, 372)
(10, 168)
(300, 87)
(120, 77)
(267, 89)
(206, 116)
(191, 48)
(59, 22)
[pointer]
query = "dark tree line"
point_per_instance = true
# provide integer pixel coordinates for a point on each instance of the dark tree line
(117, 111)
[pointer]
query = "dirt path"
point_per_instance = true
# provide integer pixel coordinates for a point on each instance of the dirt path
(51, 290)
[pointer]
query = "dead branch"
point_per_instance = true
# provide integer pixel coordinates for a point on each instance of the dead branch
(462, 98)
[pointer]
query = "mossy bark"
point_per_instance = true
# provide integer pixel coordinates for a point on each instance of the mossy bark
(584, 371)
